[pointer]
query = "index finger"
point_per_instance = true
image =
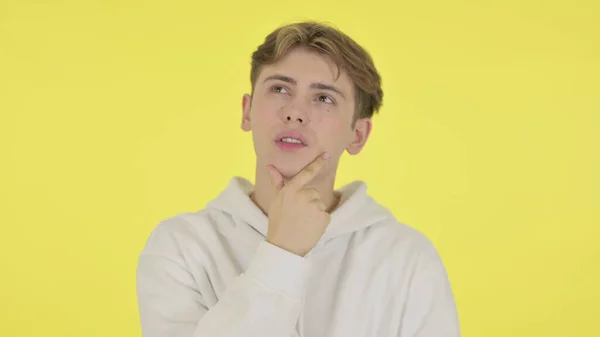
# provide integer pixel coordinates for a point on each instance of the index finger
(308, 173)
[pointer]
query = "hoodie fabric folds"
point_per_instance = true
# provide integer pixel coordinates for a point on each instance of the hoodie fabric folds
(212, 274)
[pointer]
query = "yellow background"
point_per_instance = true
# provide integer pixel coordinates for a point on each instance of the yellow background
(118, 114)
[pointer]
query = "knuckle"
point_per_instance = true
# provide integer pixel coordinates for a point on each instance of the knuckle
(303, 195)
(313, 193)
(320, 205)
(309, 171)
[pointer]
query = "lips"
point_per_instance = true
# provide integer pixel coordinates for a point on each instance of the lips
(293, 135)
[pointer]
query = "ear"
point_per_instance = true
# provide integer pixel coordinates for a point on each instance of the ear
(361, 133)
(246, 107)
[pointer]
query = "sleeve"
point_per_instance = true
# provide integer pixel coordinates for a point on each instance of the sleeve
(431, 309)
(264, 301)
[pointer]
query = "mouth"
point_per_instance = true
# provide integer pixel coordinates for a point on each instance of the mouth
(291, 137)
(290, 141)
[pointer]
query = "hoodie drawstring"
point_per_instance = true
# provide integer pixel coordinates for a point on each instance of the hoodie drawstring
(303, 303)
(301, 323)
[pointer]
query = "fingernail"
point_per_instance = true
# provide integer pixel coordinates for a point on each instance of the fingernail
(325, 155)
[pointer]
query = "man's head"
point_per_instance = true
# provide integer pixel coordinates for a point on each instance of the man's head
(314, 84)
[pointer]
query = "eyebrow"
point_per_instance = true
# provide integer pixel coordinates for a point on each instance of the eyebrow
(321, 86)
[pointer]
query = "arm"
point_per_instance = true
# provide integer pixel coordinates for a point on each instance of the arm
(265, 301)
(431, 308)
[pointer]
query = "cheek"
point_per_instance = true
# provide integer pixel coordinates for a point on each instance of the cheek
(335, 133)
(264, 114)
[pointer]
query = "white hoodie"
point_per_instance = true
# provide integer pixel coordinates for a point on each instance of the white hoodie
(212, 274)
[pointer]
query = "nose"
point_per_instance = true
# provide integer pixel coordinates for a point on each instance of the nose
(300, 120)
(292, 113)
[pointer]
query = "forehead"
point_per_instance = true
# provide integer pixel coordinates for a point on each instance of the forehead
(308, 67)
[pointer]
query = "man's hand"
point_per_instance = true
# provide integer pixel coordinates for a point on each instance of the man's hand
(297, 215)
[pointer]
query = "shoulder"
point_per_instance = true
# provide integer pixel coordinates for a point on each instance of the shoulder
(406, 247)
(411, 238)
(421, 258)
(400, 237)
(171, 234)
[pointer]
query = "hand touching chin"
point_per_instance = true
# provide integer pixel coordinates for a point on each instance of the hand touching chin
(288, 170)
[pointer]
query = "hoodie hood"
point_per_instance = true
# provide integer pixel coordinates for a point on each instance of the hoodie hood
(357, 210)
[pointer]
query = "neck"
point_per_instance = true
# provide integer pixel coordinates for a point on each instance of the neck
(264, 192)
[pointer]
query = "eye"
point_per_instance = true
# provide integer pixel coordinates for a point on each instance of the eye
(279, 89)
(326, 99)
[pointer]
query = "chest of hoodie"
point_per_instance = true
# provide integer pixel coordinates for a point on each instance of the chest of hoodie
(358, 275)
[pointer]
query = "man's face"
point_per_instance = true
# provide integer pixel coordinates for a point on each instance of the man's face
(299, 110)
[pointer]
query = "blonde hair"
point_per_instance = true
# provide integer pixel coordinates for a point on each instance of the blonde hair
(325, 39)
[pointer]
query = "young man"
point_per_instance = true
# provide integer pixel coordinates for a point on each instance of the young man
(289, 255)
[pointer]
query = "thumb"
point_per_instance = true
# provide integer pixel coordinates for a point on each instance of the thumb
(276, 177)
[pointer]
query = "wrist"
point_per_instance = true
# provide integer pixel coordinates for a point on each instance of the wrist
(279, 269)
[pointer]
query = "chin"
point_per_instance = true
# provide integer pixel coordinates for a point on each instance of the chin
(289, 165)
(289, 168)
